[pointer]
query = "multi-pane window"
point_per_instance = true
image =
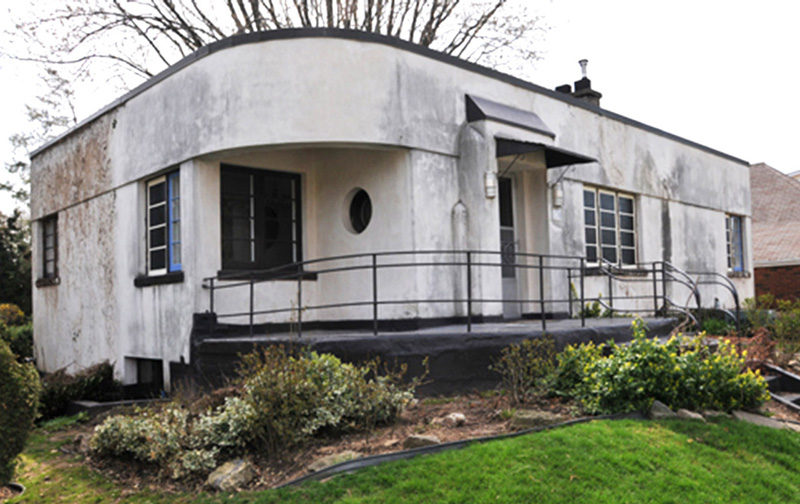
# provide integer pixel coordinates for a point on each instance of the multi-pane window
(735, 243)
(163, 224)
(50, 247)
(260, 218)
(610, 230)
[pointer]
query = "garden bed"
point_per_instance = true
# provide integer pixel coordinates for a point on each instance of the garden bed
(486, 414)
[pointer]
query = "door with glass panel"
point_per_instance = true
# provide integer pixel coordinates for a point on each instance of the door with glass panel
(508, 246)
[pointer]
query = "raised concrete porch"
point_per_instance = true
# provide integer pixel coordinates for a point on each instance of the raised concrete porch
(458, 360)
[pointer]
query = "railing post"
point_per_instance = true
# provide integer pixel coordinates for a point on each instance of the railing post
(611, 290)
(211, 288)
(251, 306)
(299, 304)
(541, 293)
(375, 294)
(469, 291)
(583, 299)
(664, 285)
(655, 291)
(569, 292)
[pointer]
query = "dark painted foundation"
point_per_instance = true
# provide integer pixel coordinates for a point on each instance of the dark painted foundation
(458, 361)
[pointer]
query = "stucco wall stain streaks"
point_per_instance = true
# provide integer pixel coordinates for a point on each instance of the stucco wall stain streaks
(79, 329)
(76, 169)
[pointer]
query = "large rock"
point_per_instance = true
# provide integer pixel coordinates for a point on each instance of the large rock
(660, 410)
(759, 420)
(232, 475)
(455, 419)
(420, 440)
(690, 415)
(709, 414)
(329, 460)
(527, 419)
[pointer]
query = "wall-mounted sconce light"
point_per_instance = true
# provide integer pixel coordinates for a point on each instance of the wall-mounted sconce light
(490, 184)
(558, 195)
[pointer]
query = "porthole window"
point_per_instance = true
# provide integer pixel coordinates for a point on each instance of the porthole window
(360, 211)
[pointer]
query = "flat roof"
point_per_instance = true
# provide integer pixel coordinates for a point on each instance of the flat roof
(293, 33)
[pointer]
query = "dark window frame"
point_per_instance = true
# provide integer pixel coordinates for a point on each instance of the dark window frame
(258, 263)
(45, 276)
(733, 266)
(599, 230)
(170, 266)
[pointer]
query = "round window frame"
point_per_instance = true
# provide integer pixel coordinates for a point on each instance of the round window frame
(350, 212)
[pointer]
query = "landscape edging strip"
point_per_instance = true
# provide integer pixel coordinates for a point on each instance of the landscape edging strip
(373, 460)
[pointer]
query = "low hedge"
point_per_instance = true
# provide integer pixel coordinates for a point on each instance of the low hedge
(681, 373)
(95, 383)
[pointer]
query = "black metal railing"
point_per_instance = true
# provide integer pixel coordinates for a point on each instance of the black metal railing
(545, 268)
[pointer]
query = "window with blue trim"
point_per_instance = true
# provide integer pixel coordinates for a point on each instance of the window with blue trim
(164, 224)
(735, 240)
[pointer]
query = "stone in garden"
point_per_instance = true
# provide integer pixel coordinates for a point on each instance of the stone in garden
(420, 440)
(81, 443)
(758, 419)
(660, 410)
(690, 415)
(791, 426)
(455, 419)
(527, 419)
(232, 475)
(329, 460)
(715, 414)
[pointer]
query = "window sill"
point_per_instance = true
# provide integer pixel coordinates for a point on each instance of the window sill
(738, 274)
(288, 276)
(48, 282)
(625, 272)
(169, 278)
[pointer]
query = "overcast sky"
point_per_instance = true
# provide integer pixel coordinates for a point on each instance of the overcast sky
(721, 73)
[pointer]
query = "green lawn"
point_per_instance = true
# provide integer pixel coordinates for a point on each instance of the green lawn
(601, 461)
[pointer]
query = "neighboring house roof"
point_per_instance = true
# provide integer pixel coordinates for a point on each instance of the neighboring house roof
(776, 216)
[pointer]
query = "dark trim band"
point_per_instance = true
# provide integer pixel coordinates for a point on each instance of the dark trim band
(169, 278)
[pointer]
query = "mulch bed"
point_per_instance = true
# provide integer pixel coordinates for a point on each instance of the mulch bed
(483, 412)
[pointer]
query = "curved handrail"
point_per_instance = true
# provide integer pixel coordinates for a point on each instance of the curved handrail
(297, 269)
(728, 284)
(468, 259)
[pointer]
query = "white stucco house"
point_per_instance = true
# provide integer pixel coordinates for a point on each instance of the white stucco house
(274, 148)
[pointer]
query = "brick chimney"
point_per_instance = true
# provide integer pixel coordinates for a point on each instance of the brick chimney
(583, 87)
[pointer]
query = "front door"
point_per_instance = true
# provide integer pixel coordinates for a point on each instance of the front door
(508, 246)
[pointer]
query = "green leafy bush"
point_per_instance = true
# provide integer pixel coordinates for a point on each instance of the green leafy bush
(95, 383)
(782, 319)
(16, 330)
(19, 338)
(11, 314)
(592, 310)
(299, 396)
(572, 366)
(19, 392)
(284, 400)
(716, 326)
(679, 375)
(180, 444)
(786, 330)
(525, 367)
(759, 311)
